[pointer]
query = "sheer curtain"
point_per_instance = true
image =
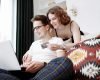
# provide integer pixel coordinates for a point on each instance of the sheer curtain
(15, 24)
(8, 21)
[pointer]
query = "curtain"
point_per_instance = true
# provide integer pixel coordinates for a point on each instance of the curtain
(24, 34)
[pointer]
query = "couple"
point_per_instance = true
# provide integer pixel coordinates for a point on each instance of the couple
(49, 47)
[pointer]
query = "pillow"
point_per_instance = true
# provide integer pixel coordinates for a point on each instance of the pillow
(89, 36)
(86, 59)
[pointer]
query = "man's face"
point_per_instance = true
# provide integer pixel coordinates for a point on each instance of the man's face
(39, 29)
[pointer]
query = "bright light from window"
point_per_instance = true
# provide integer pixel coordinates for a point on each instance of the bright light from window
(7, 20)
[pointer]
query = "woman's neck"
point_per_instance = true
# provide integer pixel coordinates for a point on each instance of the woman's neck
(61, 27)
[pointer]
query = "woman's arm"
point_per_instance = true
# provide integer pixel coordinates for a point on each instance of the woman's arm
(75, 32)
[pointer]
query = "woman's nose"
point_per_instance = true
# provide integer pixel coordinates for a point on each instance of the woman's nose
(51, 22)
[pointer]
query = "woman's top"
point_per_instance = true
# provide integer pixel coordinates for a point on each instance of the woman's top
(69, 39)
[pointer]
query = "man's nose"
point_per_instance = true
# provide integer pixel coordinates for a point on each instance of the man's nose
(35, 30)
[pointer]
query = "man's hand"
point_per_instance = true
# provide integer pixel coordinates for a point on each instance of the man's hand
(34, 66)
(26, 60)
(26, 57)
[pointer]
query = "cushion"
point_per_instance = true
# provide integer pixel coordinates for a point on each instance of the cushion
(89, 35)
(86, 59)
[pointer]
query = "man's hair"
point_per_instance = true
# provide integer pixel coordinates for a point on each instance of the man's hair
(41, 18)
(44, 19)
(60, 14)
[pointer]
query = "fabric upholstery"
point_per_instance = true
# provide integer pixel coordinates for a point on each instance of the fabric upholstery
(86, 59)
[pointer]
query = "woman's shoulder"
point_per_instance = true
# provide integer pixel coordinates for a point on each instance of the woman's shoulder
(36, 42)
(74, 24)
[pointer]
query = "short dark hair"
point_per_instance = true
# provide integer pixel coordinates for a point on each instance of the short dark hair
(44, 19)
(41, 18)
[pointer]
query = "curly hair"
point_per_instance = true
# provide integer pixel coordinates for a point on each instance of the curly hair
(60, 13)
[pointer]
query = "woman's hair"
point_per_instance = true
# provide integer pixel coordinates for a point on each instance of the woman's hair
(60, 13)
(43, 19)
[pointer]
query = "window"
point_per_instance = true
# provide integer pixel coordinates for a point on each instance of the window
(8, 21)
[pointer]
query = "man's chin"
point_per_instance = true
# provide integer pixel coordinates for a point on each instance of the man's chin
(40, 37)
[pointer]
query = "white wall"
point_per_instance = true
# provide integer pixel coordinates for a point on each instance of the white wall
(88, 14)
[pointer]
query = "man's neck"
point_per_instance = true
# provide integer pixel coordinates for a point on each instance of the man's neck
(46, 38)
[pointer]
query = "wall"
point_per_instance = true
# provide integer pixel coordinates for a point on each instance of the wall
(88, 14)
(42, 6)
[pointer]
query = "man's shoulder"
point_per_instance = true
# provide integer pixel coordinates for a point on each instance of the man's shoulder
(36, 42)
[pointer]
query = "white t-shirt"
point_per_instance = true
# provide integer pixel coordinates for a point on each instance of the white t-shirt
(44, 54)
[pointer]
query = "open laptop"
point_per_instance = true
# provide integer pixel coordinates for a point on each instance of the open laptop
(8, 59)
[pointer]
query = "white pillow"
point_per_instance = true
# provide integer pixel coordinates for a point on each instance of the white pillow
(89, 36)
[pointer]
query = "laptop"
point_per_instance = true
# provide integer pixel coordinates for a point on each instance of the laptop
(8, 59)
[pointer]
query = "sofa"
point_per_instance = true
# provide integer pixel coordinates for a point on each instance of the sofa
(86, 58)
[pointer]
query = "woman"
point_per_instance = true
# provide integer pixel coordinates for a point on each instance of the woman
(64, 27)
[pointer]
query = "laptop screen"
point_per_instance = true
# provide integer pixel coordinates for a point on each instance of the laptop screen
(8, 59)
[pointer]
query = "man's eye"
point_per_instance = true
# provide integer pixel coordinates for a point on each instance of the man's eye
(37, 27)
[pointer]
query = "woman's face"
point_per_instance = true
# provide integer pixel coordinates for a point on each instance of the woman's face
(39, 29)
(54, 20)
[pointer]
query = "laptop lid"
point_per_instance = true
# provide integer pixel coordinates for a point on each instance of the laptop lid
(8, 59)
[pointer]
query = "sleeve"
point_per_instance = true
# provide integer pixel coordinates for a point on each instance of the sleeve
(31, 49)
(56, 40)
